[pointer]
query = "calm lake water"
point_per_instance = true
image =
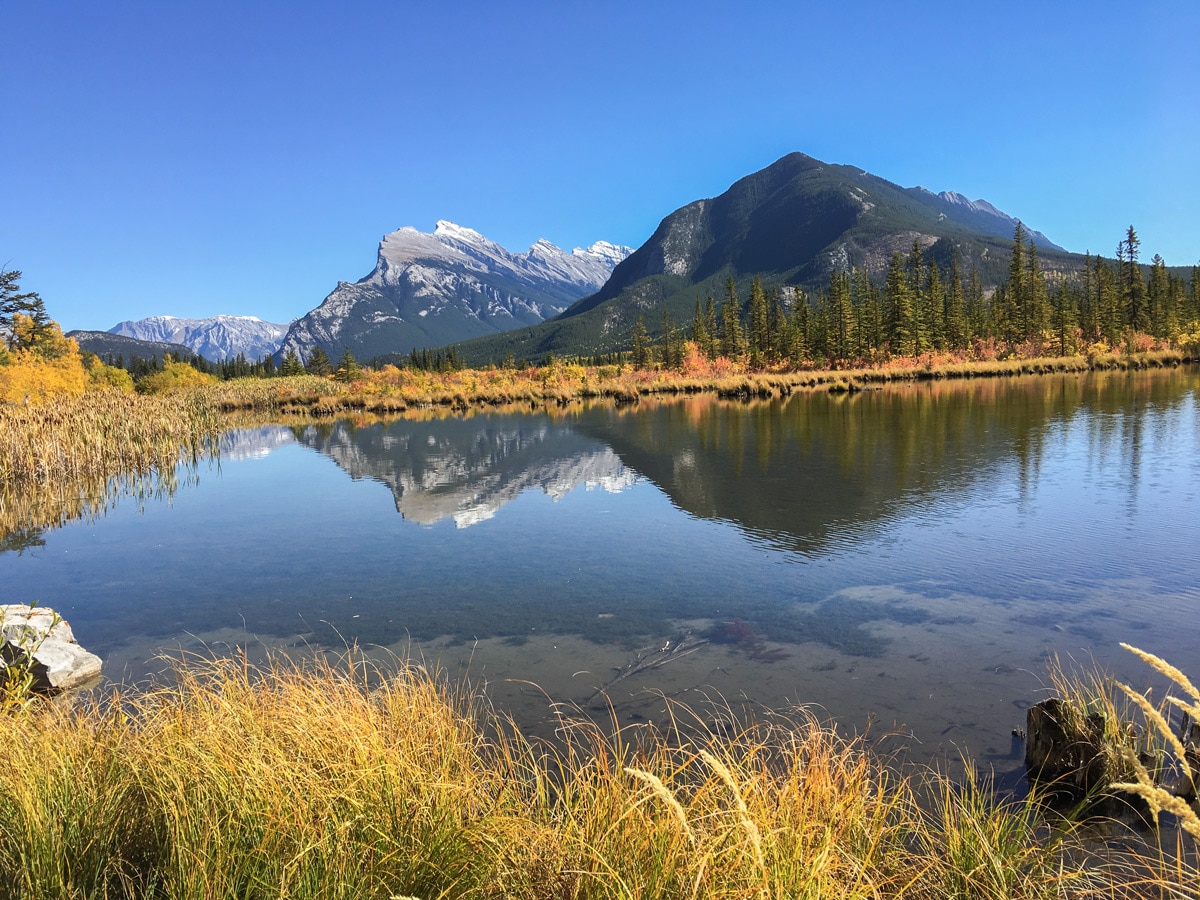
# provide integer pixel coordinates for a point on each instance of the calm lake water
(904, 560)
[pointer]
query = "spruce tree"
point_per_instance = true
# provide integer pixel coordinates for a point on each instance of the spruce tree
(319, 362)
(956, 315)
(1133, 285)
(348, 368)
(757, 330)
(902, 330)
(292, 364)
(731, 328)
(710, 325)
(641, 344)
(700, 333)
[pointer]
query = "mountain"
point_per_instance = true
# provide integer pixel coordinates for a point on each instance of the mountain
(216, 338)
(466, 470)
(790, 224)
(427, 290)
(105, 344)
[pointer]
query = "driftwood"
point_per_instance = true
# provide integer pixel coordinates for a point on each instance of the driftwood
(649, 658)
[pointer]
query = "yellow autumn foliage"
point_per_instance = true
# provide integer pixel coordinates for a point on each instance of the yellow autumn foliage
(50, 366)
(174, 376)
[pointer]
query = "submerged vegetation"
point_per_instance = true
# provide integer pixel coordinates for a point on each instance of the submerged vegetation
(329, 780)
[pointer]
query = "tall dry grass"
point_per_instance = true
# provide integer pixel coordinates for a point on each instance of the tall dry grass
(327, 779)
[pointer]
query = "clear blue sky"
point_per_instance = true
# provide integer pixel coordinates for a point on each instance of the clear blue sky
(242, 157)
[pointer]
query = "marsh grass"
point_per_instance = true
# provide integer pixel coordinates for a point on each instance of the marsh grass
(329, 778)
(1145, 783)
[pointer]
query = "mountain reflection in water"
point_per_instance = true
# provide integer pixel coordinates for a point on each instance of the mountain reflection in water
(912, 554)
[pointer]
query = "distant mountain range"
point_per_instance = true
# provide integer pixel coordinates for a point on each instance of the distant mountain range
(789, 224)
(216, 339)
(428, 290)
(105, 344)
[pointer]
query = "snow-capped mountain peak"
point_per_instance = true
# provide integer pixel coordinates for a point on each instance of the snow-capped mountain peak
(216, 338)
(434, 288)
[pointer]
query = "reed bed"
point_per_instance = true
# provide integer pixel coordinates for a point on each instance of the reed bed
(391, 390)
(326, 778)
(102, 434)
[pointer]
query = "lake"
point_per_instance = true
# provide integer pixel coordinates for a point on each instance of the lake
(905, 561)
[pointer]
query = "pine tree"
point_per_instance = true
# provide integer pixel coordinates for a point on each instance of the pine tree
(798, 347)
(1158, 296)
(934, 318)
(348, 368)
(731, 328)
(839, 341)
(1010, 302)
(1133, 285)
(319, 362)
(700, 333)
(1064, 319)
(641, 344)
(956, 316)
(710, 324)
(902, 331)
(775, 327)
(758, 335)
(868, 329)
(13, 303)
(1036, 303)
(292, 364)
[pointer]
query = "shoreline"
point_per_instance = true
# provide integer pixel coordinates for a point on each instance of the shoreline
(391, 390)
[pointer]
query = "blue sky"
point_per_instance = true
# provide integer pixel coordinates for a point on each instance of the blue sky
(242, 157)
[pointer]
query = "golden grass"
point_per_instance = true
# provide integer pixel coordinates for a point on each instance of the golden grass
(1144, 784)
(329, 779)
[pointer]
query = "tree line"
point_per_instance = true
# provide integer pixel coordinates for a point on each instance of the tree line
(922, 306)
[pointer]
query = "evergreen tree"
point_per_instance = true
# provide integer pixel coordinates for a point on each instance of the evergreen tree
(775, 327)
(1065, 319)
(700, 333)
(731, 328)
(672, 343)
(798, 347)
(319, 362)
(292, 364)
(757, 330)
(347, 367)
(710, 324)
(1192, 313)
(902, 331)
(1109, 314)
(839, 328)
(955, 330)
(916, 287)
(641, 344)
(13, 303)
(1159, 302)
(1010, 302)
(1036, 304)
(934, 318)
(1133, 285)
(979, 313)
(868, 326)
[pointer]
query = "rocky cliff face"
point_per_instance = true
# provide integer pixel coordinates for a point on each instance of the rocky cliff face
(427, 290)
(216, 338)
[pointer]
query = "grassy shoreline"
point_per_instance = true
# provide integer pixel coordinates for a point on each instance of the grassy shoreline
(392, 390)
(331, 779)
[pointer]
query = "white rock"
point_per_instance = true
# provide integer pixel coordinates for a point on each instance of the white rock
(59, 663)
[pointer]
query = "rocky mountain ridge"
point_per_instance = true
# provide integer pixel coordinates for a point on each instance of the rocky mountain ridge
(216, 338)
(431, 289)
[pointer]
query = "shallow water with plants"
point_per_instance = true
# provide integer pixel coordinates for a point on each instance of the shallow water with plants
(904, 559)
